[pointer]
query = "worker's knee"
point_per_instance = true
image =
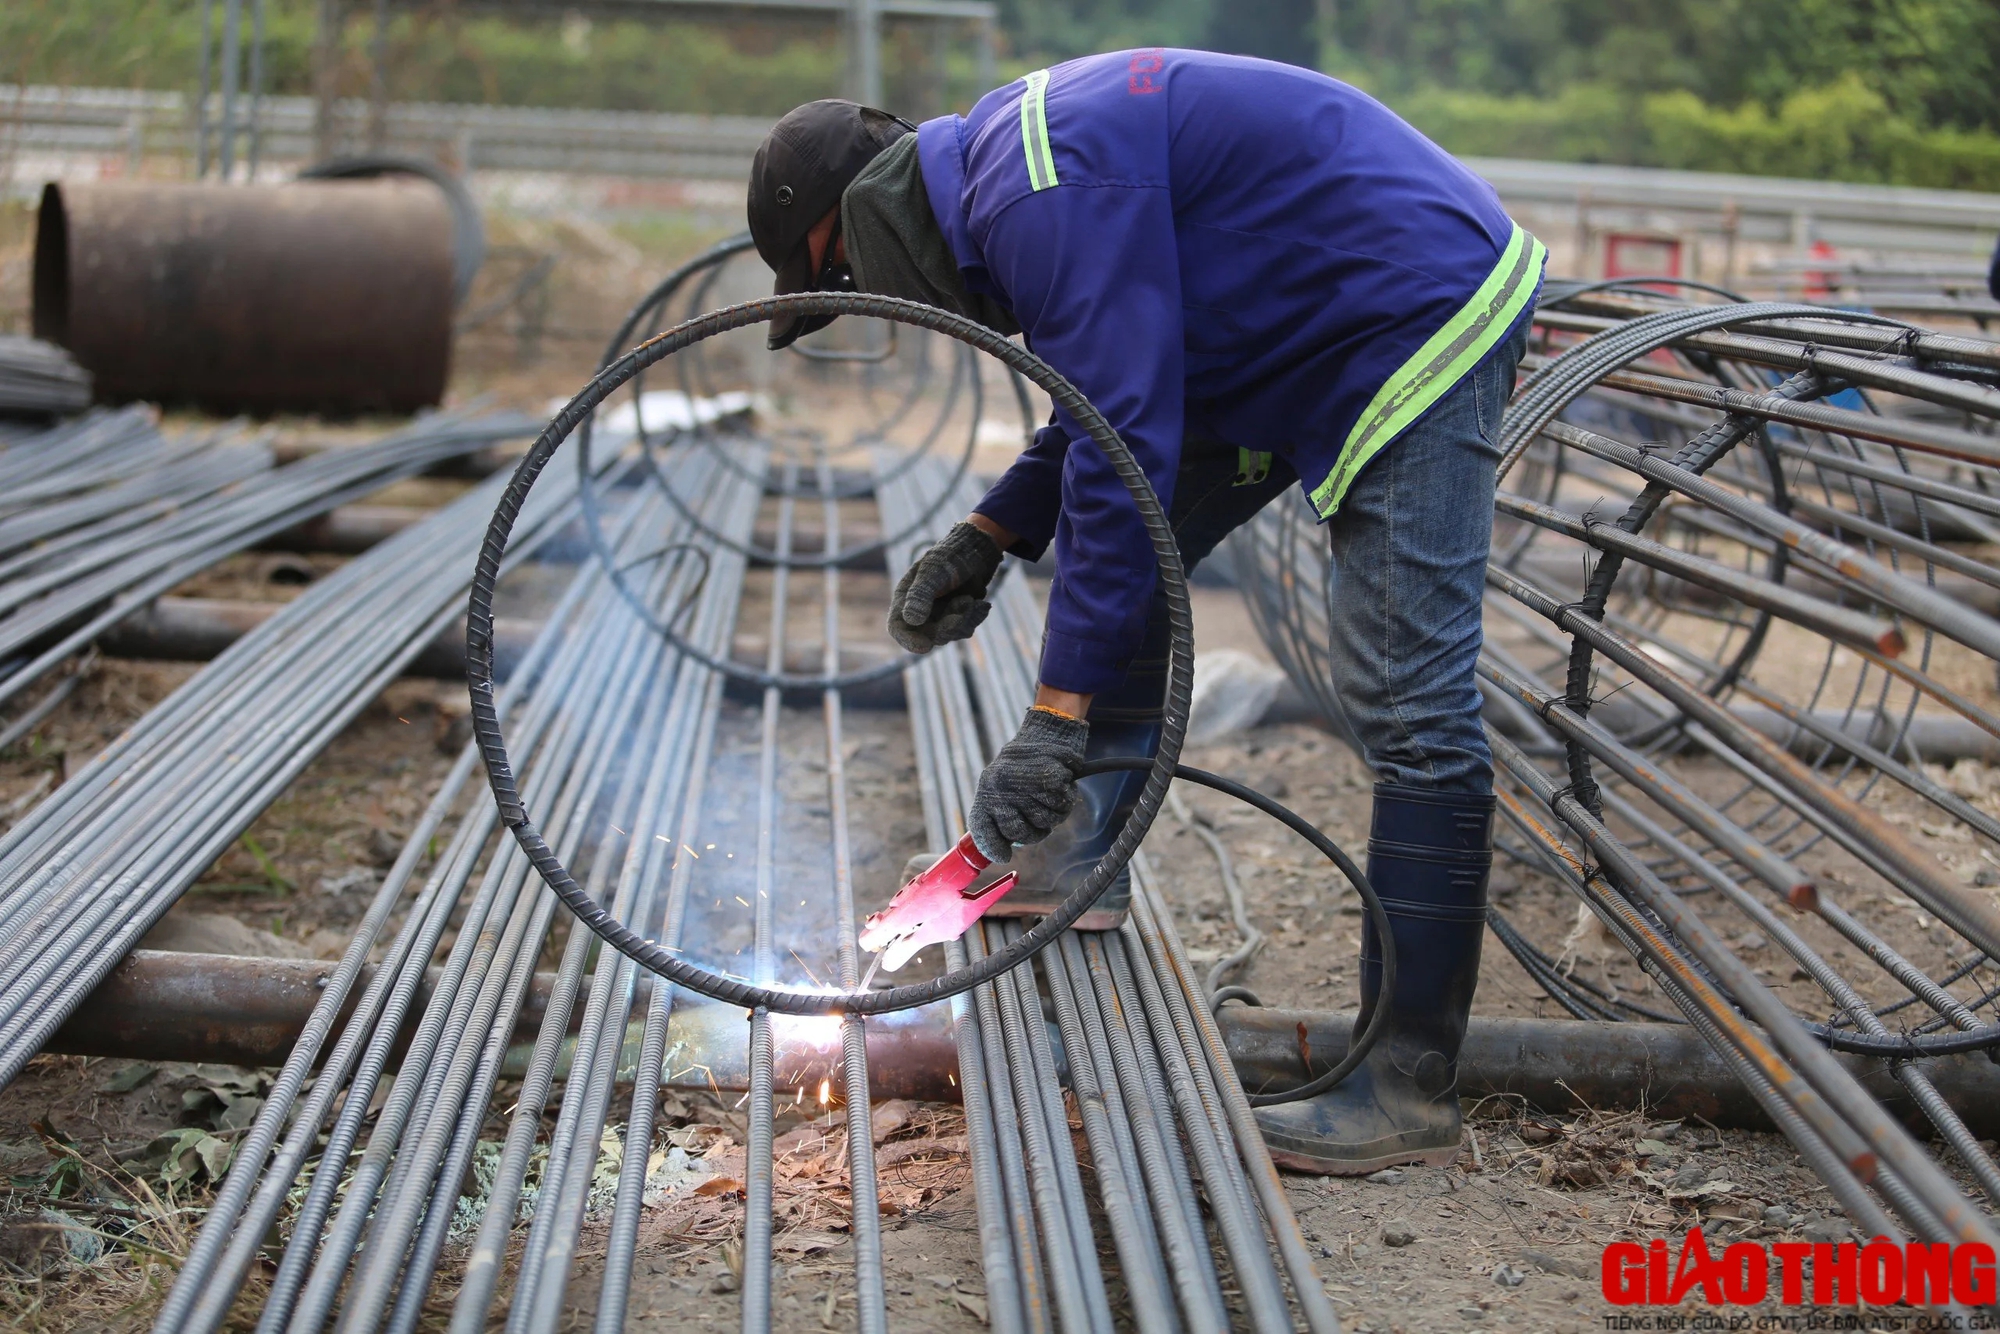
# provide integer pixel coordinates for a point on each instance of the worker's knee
(1410, 546)
(1417, 724)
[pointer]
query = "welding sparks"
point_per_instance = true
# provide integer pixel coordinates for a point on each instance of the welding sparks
(825, 1092)
(740, 899)
(808, 967)
(690, 852)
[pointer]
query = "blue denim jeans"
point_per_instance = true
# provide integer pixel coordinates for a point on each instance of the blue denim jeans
(1409, 547)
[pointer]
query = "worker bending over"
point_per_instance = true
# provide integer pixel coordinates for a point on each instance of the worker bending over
(1262, 278)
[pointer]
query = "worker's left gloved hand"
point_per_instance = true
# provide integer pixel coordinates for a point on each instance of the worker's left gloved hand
(1030, 786)
(942, 598)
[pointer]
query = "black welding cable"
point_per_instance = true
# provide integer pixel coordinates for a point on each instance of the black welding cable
(1333, 852)
(1161, 770)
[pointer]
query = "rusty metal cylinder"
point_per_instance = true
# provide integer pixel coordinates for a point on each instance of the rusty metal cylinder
(315, 296)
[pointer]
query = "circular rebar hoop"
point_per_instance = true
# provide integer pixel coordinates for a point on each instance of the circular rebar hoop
(707, 266)
(499, 768)
(1283, 569)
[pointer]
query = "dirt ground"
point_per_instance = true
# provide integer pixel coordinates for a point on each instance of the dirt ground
(1535, 1207)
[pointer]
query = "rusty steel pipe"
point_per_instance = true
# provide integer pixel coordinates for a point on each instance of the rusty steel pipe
(199, 629)
(243, 1011)
(161, 1005)
(315, 296)
(1561, 1065)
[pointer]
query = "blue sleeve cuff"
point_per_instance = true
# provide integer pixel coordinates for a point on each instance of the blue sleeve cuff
(1022, 513)
(1085, 666)
(1027, 500)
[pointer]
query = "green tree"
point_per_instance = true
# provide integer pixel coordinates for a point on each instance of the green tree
(1859, 89)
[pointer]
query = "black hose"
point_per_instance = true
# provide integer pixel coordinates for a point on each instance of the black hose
(1221, 996)
(1358, 1048)
(1913, 1048)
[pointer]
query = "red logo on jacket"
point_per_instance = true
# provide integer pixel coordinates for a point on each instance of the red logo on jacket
(1143, 66)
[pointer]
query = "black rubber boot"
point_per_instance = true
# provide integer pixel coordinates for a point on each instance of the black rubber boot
(1429, 855)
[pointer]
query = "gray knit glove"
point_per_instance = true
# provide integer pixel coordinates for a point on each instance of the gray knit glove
(943, 596)
(1030, 786)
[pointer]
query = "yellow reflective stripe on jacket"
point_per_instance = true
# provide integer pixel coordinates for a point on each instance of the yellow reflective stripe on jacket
(1035, 132)
(1438, 365)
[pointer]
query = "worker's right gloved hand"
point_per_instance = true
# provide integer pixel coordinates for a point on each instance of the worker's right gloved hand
(943, 596)
(1030, 786)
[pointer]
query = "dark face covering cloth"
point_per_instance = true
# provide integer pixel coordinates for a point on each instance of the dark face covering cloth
(896, 246)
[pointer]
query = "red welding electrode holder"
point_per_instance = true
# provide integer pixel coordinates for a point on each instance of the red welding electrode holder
(939, 905)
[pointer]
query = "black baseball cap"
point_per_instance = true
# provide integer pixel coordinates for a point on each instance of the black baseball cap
(805, 164)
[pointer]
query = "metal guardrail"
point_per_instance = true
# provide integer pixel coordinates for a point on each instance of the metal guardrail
(1755, 210)
(131, 125)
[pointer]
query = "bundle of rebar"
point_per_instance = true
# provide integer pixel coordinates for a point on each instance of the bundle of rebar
(85, 874)
(1708, 663)
(595, 680)
(145, 516)
(39, 379)
(106, 473)
(1163, 1112)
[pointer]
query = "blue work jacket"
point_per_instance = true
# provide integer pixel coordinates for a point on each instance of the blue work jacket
(1208, 242)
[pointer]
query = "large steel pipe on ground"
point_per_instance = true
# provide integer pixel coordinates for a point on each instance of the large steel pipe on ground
(199, 629)
(326, 296)
(347, 531)
(161, 1005)
(1568, 1065)
(243, 1011)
